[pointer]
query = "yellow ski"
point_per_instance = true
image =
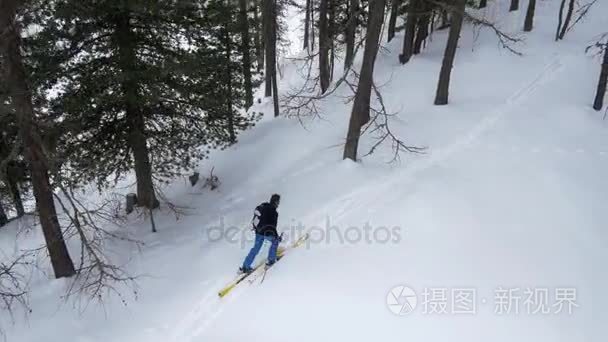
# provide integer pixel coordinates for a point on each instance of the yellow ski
(280, 252)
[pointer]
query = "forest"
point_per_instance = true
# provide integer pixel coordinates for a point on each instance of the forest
(95, 92)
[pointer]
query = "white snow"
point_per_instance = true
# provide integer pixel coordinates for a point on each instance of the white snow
(511, 193)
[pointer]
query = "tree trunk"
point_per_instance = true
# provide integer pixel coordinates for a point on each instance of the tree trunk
(246, 52)
(275, 96)
(483, 3)
(135, 117)
(560, 18)
(273, 52)
(17, 200)
(443, 87)
(529, 22)
(259, 42)
(324, 45)
(143, 167)
(307, 24)
(3, 218)
(351, 29)
(312, 26)
(410, 31)
(360, 113)
(268, 44)
(30, 136)
(423, 28)
(514, 5)
(332, 35)
(567, 20)
(601, 85)
(392, 21)
(229, 111)
(13, 184)
(445, 21)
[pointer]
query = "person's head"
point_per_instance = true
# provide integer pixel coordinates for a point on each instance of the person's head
(275, 199)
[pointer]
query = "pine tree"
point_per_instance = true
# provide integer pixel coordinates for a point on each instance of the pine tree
(268, 21)
(21, 99)
(274, 60)
(258, 34)
(246, 51)
(225, 82)
(12, 166)
(270, 42)
(139, 86)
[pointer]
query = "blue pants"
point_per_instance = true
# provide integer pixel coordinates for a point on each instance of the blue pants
(259, 241)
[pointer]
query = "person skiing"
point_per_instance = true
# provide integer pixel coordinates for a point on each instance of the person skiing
(265, 230)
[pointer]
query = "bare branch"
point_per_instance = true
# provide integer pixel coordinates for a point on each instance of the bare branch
(97, 276)
(380, 124)
(507, 41)
(581, 13)
(13, 284)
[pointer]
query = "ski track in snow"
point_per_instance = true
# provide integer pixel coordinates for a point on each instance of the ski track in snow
(512, 142)
(203, 313)
(199, 317)
(373, 192)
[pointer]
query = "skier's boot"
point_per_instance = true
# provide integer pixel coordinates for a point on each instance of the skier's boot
(245, 269)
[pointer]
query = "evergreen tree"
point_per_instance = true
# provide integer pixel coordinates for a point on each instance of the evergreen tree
(258, 33)
(271, 37)
(12, 166)
(226, 84)
(246, 51)
(20, 93)
(148, 86)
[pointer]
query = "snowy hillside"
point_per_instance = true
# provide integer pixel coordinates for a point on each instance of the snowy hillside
(499, 227)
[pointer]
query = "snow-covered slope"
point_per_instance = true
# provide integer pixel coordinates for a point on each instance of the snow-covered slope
(511, 194)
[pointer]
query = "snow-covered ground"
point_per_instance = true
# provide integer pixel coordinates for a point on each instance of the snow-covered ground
(511, 196)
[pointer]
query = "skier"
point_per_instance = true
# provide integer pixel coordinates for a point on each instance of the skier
(265, 229)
